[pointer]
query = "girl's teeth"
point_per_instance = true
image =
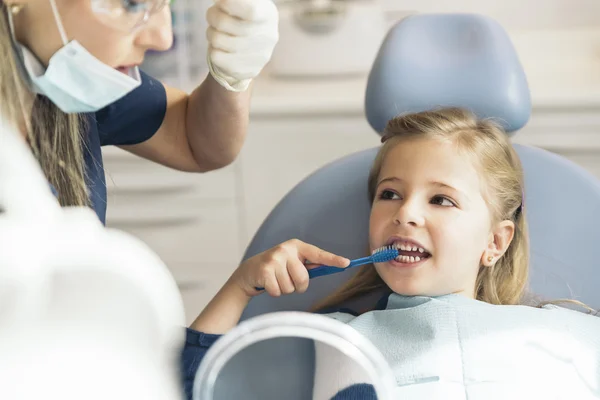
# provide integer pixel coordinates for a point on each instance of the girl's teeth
(406, 247)
(408, 259)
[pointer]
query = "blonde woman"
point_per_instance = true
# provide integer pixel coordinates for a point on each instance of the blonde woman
(447, 189)
(69, 78)
(70, 83)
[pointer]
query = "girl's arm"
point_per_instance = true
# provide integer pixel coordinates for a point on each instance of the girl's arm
(280, 270)
(196, 346)
(219, 316)
(223, 312)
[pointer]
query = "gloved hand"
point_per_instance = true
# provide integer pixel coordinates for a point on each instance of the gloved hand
(241, 36)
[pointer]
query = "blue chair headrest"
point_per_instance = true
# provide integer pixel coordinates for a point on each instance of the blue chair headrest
(435, 60)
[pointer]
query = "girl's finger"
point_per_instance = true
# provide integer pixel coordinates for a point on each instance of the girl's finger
(285, 281)
(271, 286)
(318, 256)
(299, 275)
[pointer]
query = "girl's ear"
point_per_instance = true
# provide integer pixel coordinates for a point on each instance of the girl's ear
(500, 238)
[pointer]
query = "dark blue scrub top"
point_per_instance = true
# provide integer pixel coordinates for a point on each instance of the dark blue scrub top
(133, 119)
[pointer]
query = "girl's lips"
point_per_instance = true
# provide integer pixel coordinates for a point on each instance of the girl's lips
(407, 265)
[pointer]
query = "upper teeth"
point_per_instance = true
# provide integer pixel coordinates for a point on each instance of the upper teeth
(408, 247)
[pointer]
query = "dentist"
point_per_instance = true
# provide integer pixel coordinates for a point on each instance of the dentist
(69, 79)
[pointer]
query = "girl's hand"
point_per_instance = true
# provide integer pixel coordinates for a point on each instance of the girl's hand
(283, 269)
(279, 270)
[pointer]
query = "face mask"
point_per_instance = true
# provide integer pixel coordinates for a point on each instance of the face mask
(75, 81)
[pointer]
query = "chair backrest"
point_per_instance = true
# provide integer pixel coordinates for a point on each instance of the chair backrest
(428, 61)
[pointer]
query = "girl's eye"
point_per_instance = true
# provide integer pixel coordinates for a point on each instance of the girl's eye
(135, 6)
(388, 195)
(442, 201)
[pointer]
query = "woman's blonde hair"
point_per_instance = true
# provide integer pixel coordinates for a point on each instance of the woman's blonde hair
(54, 137)
(502, 175)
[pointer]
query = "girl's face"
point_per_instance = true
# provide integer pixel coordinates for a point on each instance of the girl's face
(429, 202)
(107, 38)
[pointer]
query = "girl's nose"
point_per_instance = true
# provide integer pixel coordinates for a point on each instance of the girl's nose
(409, 213)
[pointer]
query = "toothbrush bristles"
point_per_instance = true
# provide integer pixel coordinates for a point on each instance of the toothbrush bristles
(384, 254)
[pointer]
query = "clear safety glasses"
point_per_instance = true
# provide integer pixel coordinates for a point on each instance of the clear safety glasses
(126, 15)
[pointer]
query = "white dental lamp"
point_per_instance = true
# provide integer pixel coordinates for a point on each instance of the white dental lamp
(85, 312)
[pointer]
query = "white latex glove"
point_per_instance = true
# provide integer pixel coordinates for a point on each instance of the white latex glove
(241, 37)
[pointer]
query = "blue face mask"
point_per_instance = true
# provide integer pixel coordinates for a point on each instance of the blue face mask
(75, 81)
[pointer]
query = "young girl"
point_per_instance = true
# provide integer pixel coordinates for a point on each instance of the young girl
(447, 189)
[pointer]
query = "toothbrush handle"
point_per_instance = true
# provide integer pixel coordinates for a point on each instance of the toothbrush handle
(323, 270)
(328, 270)
(360, 261)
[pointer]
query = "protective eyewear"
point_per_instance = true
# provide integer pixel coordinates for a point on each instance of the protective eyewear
(126, 15)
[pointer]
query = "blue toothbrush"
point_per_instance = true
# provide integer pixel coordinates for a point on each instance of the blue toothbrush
(383, 254)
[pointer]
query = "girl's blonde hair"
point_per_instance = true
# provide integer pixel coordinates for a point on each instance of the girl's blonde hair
(502, 175)
(54, 137)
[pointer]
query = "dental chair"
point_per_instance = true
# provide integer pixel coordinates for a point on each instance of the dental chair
(428, 61)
